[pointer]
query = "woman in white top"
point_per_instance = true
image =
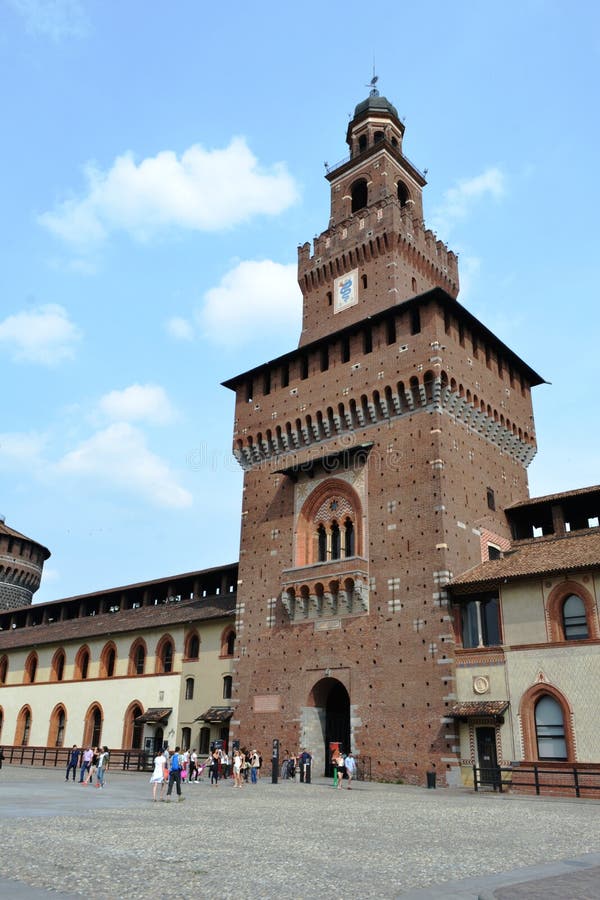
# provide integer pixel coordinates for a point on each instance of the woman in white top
(158, 776)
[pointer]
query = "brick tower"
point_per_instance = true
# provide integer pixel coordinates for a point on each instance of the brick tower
(21, 564)
(378, 457)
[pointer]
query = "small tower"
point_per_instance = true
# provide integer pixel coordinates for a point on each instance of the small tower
(376, 252)
(21, 564)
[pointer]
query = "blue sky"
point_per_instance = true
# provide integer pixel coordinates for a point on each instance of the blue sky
(161, 163)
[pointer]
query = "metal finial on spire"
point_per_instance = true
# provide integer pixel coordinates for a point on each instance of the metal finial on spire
(373, 92)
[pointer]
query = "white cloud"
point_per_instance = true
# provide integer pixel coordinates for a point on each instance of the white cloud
(43, 335)
(138, 403)
(459, 201)
(19, 450)
(252, 299)
(118, 456)
(203, 190)
(180, 329)
(56, 19)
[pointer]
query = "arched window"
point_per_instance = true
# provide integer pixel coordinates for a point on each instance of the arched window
(335, 540)
(82, 663)
(362, 143)
(360, 194)
(92, 731)
(137, 657)
(204, 745)
(186, 738)
(348, 538)
(108, 660)
(231, 643)
(56, 732)
(403, 194)
(23, 727)
(3, 669)
(189, 688)
(322, 542)
(550, 729)
(132, 732)
(571, 613)
(31, 665)
(227, 687)
(57, 668)
(164, 655)
(378, 137)
(192, 646)
(574, 619)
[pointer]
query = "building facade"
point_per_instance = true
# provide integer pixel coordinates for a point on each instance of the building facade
(132, 667)
(377, 459)
(528, 641)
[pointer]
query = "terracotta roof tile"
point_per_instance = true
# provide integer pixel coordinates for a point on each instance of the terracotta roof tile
(539, 556)
(578, 492)
(472, 708)
(87, 627)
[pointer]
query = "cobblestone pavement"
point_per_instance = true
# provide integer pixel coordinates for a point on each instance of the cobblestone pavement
(289, 841)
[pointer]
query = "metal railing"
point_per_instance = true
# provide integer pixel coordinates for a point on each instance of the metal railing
(542, 778)
(58, 757)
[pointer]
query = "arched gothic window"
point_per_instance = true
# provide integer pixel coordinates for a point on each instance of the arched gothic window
(31, 668)
(227, 687)
(3, 669)
(574, 619)
(403, 194)
(322, 543)
(330, 524)
(349, 538)
(23, 727)
(550, 729)
(189, 688)
(137, 658)
(57, 670)
(335, 540)
(192, 650)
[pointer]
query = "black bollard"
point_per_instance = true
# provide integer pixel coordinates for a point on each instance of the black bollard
(275, 762)
(307, 773)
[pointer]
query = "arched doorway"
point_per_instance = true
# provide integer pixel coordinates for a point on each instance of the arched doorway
(327, 720)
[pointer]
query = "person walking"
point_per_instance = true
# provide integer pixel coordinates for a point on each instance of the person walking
(175, 774)
(86, 761)
(158, 776)
(254, 766)
(73, 762)
(102, 767)
(214, 768)
(350, 766)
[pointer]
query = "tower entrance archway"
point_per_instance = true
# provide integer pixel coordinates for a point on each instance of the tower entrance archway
(327, 720)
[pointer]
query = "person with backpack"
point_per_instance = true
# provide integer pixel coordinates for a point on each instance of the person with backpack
(175, 774)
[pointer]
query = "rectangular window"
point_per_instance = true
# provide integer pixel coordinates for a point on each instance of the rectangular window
(491, 499)
(481, 622)
(415, 321)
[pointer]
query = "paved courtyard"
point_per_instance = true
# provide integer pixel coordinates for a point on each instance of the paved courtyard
(289, 841)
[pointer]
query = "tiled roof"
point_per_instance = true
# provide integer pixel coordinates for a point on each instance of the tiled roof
(216, 714)
(87, 627)
(578, 492)
(155, 715)
(4, 529)
(472, 708)
(539, 556)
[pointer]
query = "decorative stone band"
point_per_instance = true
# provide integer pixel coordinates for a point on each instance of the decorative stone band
(384, 405)
(327, 598)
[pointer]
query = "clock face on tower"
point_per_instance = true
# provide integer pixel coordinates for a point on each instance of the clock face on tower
(345, 291)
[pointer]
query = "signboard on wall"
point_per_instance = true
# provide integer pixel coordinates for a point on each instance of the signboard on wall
(345, 291)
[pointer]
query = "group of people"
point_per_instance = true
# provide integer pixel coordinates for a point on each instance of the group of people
(92, 763)
(173, 768)
(344, 765)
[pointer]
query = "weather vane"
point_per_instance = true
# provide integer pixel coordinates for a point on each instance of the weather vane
(373, 92)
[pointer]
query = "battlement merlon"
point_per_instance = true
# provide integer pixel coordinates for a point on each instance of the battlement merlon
(385, 217)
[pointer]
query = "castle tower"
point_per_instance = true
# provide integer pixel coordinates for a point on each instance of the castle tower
(377, 457)
(21, 564)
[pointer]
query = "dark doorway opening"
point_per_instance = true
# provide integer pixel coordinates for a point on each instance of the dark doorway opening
(337, 722)
(487, 756)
